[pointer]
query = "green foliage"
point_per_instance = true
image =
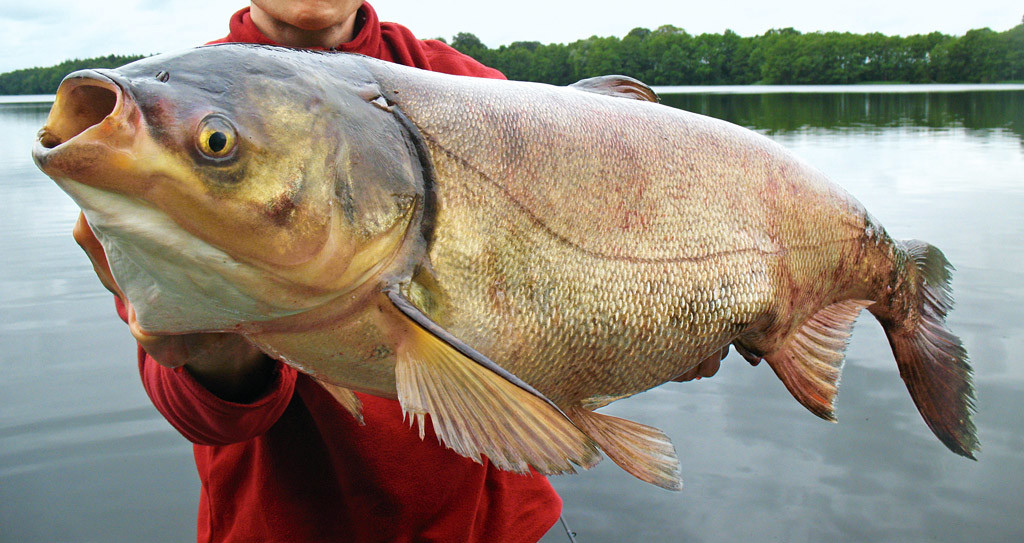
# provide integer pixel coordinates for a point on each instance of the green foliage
(669, 55)
(46, 80)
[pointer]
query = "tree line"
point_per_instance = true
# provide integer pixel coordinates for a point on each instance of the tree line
(46, 80)
(671, 56)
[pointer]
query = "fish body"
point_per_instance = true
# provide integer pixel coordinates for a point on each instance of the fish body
(504, 257)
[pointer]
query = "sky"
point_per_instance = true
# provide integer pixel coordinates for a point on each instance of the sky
(45, 32)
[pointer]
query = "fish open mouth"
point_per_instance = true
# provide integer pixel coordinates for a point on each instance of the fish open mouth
(84, 99)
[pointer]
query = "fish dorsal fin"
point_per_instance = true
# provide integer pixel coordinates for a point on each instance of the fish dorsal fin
(476, 407)
(621, 86)
(811, 361)
(346, 398)
(645, 452)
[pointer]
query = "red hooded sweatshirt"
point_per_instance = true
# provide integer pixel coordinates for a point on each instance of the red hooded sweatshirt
(294, 466)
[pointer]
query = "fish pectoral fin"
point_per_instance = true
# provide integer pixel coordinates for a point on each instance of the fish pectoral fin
(811, 361)
(620, 86)
(476, 407)
(346, 398)
(645, 452)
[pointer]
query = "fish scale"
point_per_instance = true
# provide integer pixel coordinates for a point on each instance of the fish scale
(690, 316)
(596, 301)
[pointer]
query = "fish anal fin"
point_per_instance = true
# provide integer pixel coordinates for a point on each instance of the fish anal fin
(620, 86)
(476, 410)
(346, 398)
(811, 361)
(645, 452)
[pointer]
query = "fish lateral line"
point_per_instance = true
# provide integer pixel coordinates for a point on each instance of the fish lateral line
(533, 218)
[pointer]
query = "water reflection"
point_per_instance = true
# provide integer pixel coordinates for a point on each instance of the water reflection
(867, 112)
(83, 455)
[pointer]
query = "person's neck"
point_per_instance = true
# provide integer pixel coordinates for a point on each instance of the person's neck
(293, 36)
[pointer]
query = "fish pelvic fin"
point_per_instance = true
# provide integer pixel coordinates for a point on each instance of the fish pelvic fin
(645, 452)
(476, 408)
(931, 359)
(811, 361)
(346, 398)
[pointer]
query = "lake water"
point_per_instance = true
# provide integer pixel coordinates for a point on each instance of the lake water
(85, 457)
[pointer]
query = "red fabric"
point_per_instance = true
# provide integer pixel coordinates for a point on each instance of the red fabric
(387, 41)
(295, 466)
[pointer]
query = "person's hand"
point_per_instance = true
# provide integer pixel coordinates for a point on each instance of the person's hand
(170, 351)
(88, 242)
(226, 364)
(707, 367)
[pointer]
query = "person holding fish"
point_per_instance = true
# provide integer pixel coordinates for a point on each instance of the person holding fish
(423, 236)
(278, 458)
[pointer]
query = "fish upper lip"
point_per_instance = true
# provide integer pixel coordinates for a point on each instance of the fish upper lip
(84, 100)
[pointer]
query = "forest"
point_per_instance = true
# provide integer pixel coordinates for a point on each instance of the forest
(669, 55)
(46, 80)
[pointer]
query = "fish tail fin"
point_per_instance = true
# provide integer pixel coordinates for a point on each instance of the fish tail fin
(811, 361)
(645, 452)
(931, 359)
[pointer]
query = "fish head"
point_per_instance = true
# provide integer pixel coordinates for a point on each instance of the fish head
(231, 184)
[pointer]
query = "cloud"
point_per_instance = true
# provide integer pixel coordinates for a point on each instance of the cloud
(23, 13)
(86, 29)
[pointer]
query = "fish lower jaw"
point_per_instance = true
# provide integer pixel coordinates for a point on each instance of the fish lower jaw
(177, 282)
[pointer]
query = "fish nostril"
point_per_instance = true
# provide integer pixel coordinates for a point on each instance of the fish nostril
(83, 107)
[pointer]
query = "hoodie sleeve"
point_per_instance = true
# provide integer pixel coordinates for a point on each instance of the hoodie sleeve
(202, 417)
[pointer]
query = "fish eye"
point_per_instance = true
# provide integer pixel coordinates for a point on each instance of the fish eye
(217, 137)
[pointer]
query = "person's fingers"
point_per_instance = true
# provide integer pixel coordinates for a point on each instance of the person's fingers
(709, 366)
(86, 239)
(688, 375)
(171, 351)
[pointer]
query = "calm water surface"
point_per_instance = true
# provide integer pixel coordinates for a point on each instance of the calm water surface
(84, 456)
